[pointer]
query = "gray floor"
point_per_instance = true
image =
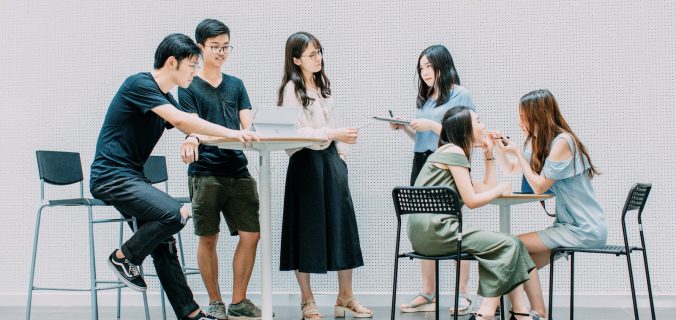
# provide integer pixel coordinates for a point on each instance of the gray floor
(284, 313)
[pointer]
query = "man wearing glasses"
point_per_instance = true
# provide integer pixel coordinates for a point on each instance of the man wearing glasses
(135, 121)
(219, 181)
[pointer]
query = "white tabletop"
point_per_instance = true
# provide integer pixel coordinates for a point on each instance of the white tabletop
(518, 198)
(266, 143)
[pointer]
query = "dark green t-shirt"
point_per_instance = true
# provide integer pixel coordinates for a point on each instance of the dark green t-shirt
(220, 105)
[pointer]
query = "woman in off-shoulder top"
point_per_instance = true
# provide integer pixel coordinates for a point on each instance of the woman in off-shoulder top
(555, 159)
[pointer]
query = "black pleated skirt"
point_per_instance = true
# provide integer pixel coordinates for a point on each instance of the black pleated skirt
(319, 227)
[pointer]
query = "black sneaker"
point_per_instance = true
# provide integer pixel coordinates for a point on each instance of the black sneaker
(201, 316)
(127, 273)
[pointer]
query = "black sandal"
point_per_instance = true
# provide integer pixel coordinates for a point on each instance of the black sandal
(514, 314)
(473, 316)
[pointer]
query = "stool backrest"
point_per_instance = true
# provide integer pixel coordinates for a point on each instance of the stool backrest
(155, 169)
(58, 167)
(435, 200)
(636, 200)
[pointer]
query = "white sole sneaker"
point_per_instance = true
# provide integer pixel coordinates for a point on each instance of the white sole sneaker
(124, 280)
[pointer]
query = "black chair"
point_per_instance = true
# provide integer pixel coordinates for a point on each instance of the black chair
(638, 195)
(65, 168)
(426, 200)
(155, 170)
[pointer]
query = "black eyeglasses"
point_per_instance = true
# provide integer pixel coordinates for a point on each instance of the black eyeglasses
(218, 49)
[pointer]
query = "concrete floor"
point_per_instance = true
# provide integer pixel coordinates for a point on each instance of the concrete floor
(288, 312)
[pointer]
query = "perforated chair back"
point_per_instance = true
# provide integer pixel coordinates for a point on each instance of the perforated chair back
(58, 167)
(429, 200)
(436, 200)
(155, 169)
(636, 199)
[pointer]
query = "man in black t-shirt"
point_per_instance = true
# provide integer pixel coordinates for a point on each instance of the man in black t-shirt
(219, 181)
(135, 121)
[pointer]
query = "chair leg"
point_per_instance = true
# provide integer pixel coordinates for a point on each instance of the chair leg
(164, 308)
(394, 288)
(92, 265)
(551, 284)
(502, 307)
(457, 288)
(572, 284)
(144, 294)
(631, 283)
(436, 289)
(119, 290)
(180, 250)
(33, 257)
(647, 276)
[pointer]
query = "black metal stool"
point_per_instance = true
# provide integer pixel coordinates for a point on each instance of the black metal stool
(638, 195)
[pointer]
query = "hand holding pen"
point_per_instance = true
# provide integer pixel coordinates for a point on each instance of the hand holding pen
(394, 126)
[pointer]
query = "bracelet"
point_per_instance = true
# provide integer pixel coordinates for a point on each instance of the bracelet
(489, 159)
(192, 136)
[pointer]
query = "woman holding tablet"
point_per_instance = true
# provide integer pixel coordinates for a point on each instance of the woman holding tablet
(439, 90)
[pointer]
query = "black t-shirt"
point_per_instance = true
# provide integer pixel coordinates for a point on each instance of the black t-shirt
(219, 105)
(130, 130)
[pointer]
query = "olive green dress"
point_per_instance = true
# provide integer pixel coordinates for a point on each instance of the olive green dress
(504, 262)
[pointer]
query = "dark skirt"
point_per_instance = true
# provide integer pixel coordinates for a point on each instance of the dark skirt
(419, 159)
(319, 227)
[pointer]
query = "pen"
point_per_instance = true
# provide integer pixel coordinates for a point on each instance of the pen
(503, 141)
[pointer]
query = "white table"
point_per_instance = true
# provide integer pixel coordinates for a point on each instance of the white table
(505, 202)
(264, 147)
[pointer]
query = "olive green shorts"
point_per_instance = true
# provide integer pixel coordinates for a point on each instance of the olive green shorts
(235, 198)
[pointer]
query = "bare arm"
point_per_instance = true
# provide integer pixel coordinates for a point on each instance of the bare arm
(471, 197)
(245, 118)
(188, 124)
(540, 184)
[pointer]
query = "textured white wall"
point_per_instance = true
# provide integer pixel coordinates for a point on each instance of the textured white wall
(611, 64)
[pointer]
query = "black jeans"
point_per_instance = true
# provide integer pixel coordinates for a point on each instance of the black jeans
(419, 159)
(158, 218)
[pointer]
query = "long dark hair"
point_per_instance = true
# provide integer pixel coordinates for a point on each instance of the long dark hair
(445, 75)
(295, 45)
(543, 121)
(456, 128)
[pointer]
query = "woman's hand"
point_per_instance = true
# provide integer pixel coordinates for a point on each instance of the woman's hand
(504, 188)
(422, 124)
(396, 126)
(488, 147)
(345, 135)
(506, 145)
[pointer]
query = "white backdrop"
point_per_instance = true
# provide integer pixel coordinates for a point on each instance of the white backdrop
(611, 64)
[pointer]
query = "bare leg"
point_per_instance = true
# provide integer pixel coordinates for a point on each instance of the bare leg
(345, 283)
(304, 283)
(207, 261)
(540, 255)
(427, 275)
(488, 306)
(345, 294)
(243, 263)
(519, 304)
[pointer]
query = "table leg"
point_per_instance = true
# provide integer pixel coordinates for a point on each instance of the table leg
(505, 217)
(266, 241)
(505, 227)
